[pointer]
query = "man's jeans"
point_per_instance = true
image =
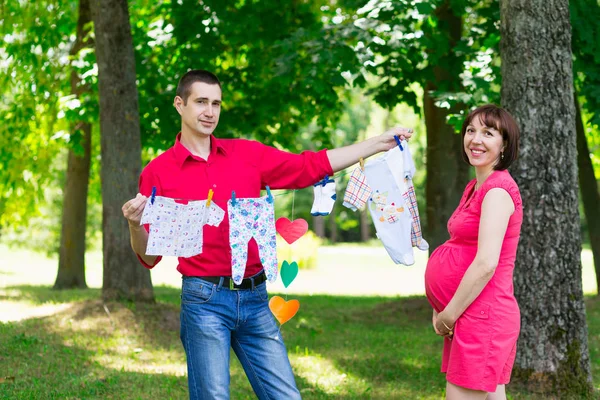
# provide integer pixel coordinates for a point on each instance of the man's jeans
(215, 318)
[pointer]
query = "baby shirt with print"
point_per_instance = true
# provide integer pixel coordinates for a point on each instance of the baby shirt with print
(176, 229)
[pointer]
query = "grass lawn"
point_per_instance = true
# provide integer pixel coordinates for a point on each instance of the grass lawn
(341, 347)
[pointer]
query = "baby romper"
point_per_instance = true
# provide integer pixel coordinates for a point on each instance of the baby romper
(410, 199)
(252, 218)
(400, 170)
(176, 229)
(391, 217)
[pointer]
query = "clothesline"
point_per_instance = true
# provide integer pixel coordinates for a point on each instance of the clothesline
(288, 191)
(280, 193)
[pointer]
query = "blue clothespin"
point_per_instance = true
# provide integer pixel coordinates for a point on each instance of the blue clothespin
(325, 180)
(398, 141)
(270, 198)
(233, 198)
(153, 195)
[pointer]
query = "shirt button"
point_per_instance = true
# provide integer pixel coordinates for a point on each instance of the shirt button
(214, 185)
(483, 312)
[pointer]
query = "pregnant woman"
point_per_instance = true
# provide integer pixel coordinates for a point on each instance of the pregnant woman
(469, 279)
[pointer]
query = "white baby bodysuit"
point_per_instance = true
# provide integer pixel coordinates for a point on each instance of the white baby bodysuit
(177, 229)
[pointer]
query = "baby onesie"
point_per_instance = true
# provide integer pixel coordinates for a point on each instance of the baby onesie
(252, 218)
(410, 199)
(177, 229)
(369, 188)
(391, 217)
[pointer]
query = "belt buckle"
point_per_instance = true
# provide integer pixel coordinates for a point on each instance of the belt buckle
(232, 284)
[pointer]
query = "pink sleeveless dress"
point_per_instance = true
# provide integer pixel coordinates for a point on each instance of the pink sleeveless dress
(482, 352)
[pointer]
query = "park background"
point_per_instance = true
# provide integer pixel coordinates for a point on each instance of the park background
(87, 89)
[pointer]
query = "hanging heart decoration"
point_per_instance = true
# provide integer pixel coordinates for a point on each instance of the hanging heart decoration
(291, 231)
(283, 310)
(288, 273)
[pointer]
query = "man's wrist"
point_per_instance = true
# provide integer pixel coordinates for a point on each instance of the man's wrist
(376, 145)
(134, 226)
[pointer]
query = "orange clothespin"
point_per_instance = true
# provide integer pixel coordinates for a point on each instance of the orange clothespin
(210, 196)
(361, 162)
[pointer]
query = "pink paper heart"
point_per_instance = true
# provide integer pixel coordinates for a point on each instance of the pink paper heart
(291, 231)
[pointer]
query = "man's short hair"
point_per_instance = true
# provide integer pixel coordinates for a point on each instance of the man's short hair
(184, 87)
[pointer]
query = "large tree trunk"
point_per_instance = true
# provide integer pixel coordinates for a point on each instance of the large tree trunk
(447, 173)
(537, 88)
(589, 192)
(124, 277)
(71, 260)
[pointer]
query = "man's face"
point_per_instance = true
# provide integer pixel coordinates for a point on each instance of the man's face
(200, 115)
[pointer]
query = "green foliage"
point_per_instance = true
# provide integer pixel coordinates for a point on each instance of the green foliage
(38, 111)
(403, 43)
(585, 22)
(275, 81)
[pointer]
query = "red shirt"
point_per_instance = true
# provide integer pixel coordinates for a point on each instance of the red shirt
(233, 164)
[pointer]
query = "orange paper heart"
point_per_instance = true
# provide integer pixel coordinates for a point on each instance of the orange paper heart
(283, 310)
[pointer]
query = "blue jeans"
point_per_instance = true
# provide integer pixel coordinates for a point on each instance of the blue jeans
(215, 318)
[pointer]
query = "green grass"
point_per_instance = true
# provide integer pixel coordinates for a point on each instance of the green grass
(72, 346)
(340, 348)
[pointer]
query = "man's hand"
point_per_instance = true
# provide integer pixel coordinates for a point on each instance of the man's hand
(134, 208)
(388, 140)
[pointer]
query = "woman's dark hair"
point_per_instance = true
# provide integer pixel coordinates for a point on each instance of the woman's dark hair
(498, 118)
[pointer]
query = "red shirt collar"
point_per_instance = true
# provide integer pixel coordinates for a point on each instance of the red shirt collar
(182, 153)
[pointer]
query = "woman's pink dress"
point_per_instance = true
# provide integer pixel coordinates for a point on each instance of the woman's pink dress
(482, 352)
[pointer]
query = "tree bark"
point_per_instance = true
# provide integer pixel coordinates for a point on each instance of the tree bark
(333, 233)
(71, 260)
(365, 228)
(123, 277)
(447, 173)
(537, 88)
(319, 226)
(589, 191)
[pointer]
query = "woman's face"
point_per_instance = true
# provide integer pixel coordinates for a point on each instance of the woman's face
(482, 144)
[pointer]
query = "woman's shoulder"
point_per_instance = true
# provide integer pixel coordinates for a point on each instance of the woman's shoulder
(503, 179)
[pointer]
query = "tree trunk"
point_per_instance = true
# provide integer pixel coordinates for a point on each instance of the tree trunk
(333, 233)
(71, 260)
(447, 173)
(319, 226)
(537, 88)
(123, 277)
(589, 192)
(365, 228)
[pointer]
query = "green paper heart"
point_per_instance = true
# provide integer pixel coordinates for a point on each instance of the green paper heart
(288, 272)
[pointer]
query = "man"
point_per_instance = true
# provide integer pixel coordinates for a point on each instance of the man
(217, 314)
